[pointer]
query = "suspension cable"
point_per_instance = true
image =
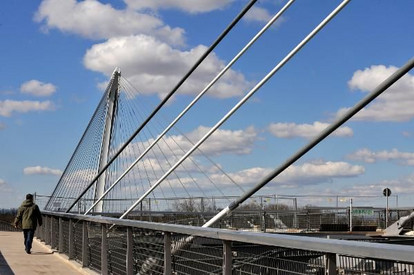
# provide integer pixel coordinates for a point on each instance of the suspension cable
(219, 75)
(242, 101)
(169, 95)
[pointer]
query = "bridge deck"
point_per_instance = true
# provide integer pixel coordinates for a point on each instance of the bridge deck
(43, 260)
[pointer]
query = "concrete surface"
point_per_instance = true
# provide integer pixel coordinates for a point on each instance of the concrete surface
(43, 260)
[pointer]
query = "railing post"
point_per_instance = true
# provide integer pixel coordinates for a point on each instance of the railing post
(85, 260)
(330, 264)
(47, 237)
(52, 233)
(167, 253)
(129, 258)
(71, 240)
(228, 258)
(104, 251)
(60, 245)
(41, 230)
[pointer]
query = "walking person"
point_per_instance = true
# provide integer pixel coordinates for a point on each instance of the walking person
(28, 216)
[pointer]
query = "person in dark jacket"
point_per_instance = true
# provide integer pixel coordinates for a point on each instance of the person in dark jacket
(28, 216)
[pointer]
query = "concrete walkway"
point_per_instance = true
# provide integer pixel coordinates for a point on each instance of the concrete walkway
(43, 260)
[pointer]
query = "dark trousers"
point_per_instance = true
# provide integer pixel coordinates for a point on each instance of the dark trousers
(28, 238)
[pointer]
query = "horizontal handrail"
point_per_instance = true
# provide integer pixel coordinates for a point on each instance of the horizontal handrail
(393, 252)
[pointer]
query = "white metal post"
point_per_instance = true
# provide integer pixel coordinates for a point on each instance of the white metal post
(350, 215)
(386, 214)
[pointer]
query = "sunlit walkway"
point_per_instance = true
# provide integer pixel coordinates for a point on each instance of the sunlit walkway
(43, 260)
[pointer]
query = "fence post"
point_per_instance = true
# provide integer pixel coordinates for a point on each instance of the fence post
(52, 233)
(129, 258)
(47, 239)
(167, 253)
(85, 260)
(104, 251)
(71, 240)
(330, 264)
(60, 245)
(228, 258)
(41, 230)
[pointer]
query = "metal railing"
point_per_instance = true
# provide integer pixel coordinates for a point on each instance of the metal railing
(138, 247)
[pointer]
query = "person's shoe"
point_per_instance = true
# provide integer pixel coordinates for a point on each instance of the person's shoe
(28, 252)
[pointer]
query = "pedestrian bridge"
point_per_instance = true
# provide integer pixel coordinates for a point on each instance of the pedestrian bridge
(125, 159)
(105, 245)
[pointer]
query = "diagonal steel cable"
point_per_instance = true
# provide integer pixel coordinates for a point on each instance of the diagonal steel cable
(162, 103)
(242, 101)
(219, 75)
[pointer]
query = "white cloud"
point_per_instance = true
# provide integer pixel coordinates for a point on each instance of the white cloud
(38, 170)
(95, 20)
(366, 155)
(4, 187)
(308, 131)
(37, 88)
(141, 44)
(184, 5)
(305, 174)
(7, 107)
(395, 104)
(403, 185)
(222, 141)
(257, 14)
(154, 67)
(238, 142)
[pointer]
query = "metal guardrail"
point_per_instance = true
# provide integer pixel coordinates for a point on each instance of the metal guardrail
(138, 247)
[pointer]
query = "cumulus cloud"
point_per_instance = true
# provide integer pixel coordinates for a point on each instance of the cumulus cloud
(141, 44)
(366, 155)
(223, 141)
(308, 131)
(37, 88)
(38, 170)
(238, 142)
(7, 107)
(154, 67)
(184, 5)
(298, 175)
(95, 20)
(395, 104)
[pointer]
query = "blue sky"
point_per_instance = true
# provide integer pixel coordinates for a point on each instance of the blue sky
(57, 55)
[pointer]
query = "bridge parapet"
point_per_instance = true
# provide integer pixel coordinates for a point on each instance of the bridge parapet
(138, 247)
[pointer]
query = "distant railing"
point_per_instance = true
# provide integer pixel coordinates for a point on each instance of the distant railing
(138, 247)
(7, 226)
(262, 212)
